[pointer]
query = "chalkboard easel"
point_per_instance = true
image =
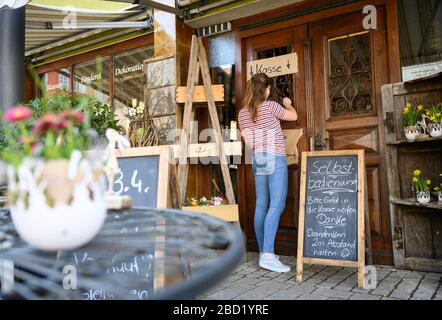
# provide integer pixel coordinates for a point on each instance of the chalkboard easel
(144, 176)
(331, 229)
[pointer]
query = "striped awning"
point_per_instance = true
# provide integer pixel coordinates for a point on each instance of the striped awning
(41, 13)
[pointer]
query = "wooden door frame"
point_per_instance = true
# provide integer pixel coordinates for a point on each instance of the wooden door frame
(240, 55)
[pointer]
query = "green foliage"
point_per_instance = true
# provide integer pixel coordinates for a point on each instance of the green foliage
(100, 116)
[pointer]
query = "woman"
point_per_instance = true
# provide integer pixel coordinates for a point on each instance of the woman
(259, 123)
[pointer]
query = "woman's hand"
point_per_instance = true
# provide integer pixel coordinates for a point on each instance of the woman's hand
(290, 112)
(286, 102)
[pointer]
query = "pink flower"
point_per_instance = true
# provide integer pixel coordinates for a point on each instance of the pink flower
(47, 122)
(18, 114)
(75, 116)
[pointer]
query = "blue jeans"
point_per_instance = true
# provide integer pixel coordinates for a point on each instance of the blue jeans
(271, 184)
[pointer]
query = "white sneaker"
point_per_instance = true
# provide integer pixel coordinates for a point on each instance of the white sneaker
(273, 264)
(276, 256)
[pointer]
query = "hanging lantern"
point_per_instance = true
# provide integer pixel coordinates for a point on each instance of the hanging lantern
(12, 4)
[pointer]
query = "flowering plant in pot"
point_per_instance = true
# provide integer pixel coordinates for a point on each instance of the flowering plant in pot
(142, 131)
(421, 186)
(435, 116)
(411, 116)
(55, 178)
(438, 190)
(214, 201)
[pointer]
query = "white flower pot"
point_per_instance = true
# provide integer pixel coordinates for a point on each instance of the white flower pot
(55, 209)
(411, 133)
(423, 197)
(440, 197)
(436, 130)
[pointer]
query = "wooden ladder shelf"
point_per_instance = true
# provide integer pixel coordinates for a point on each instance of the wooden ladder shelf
(198, 62)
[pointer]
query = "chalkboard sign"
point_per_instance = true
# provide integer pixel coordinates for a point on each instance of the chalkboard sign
(331, 215)
(121, 273)
(144, 176)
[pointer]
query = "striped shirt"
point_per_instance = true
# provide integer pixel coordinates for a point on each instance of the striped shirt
(264, 135)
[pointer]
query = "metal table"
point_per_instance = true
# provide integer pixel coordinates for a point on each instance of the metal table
(138, 254)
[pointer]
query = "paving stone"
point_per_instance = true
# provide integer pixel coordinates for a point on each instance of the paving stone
(274, 284)
(272, 275)
(248, 281)
(332, 293)
(343, 288)
(381, 292)
(359, 290)
(311, 297)
(290, 294)
(257, 294)
(420, 297)
(400, 295)
(224, 295)
(436, 276)
(361, 296)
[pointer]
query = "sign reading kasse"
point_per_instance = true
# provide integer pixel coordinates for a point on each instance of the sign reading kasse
(274, 67)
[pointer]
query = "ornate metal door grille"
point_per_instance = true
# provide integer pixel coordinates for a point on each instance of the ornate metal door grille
(350, 76)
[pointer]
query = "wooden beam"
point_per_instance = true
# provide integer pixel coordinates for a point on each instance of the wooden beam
(215, 121)
(202, 150)
(183, 166)
(199, 94)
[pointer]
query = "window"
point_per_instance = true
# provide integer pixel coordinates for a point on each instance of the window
(93, 78)
(129, 80)
(56, 81)
(420, 37)
(222, 68)
(64, 81)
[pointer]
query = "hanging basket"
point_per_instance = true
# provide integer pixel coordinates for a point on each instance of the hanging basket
(142, 133)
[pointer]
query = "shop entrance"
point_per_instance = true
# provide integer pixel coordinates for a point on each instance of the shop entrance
(265, 46)
(337, 94)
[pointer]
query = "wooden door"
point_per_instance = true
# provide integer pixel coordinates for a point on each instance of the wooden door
(349, 65)
(264, 46)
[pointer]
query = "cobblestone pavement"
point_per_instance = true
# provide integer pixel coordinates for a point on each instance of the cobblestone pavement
(249, 282)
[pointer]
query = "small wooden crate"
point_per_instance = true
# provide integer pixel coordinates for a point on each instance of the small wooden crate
(228, 212)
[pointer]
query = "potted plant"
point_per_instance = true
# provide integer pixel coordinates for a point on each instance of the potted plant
(438, 190)
(435, 116)
(55, 179)
(422, 187)
(142, 132)
(411, 116)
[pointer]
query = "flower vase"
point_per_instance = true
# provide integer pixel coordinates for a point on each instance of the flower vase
(142, 133)
(411, 133)
(57, 204)
(436, 130)
(423, 197)
(440, 197)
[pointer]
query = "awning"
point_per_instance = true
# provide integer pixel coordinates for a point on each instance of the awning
(44, 13)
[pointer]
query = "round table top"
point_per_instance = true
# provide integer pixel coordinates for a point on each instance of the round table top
(138, 254)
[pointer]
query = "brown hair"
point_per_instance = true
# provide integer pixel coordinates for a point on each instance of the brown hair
(255, 93)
